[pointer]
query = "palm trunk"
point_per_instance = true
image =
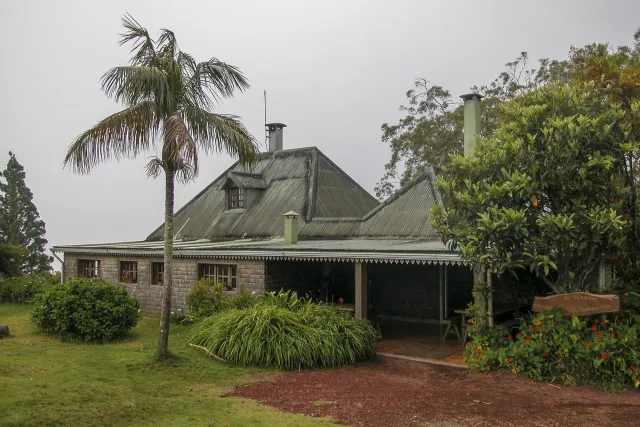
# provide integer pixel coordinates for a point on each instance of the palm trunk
(163, 340)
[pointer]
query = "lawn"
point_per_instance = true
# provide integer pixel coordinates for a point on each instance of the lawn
(47, 382)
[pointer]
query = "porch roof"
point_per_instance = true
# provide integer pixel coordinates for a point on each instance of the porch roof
(361, 250)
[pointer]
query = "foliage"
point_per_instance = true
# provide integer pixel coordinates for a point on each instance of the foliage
(544, 192)
(167, 95)
(11, 258)
(89, 310)
(558, 346)
(23, 289)
(285, 332)
(207, 297)
(20, 224)
(432, 127)
(119, 385)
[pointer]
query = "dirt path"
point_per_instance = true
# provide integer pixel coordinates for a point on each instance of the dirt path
(391, 392)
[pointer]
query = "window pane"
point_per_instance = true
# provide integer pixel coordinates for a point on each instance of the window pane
(157, 273)
(129, 271)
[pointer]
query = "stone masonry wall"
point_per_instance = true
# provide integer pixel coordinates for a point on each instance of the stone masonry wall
(250, 275)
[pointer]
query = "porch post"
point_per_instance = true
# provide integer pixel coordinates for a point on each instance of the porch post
(361, 290)
(446, 292)
(441, 286)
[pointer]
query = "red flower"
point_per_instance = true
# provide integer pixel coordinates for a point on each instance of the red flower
(588, 345)
(537, 326)
(625, 300)
(633, 368)
(615, 201)
(600, 336)
(594, 328)
(340, 300)
(519, 335)
(540, 322)
(532, 330)
(479, 350)
(627, 311)
(546, 353)
(509, 338)
(479, 356)
(604, 356)
(527, 341)
(596, 321)
(565, 314)
(510, 359)
(501, 348)
(612, 335)
(626, 214)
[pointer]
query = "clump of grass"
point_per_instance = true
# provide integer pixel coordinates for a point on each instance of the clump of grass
(287, 334)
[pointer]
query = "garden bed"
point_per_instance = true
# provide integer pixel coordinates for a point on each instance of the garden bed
(391, 392)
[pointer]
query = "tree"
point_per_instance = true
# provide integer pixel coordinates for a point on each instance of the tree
(20, 223)
(11, 257)
(545, 191)
(432, 129)
(167, 96)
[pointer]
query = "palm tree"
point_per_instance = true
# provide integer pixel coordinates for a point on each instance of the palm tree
(167, 95)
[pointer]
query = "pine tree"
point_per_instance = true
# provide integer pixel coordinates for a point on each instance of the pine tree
(20, 223)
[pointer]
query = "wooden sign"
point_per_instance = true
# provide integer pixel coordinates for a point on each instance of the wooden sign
(579, 303)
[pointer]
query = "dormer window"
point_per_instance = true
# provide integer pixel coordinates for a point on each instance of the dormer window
(235, 196)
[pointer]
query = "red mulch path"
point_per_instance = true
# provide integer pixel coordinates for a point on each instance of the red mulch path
(392, 392)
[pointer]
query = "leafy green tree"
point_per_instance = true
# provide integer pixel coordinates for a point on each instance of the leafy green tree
(545, 191)
(432, 128)
(167, 97)
(11, 257)
(20, 223)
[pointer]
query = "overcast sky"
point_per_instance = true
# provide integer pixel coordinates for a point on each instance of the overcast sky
(334, 72)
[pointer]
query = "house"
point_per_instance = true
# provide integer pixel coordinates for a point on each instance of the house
(297, 221)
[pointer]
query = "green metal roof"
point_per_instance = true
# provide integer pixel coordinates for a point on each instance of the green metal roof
(303, 180)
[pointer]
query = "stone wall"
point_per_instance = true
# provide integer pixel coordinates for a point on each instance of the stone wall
(250, 275)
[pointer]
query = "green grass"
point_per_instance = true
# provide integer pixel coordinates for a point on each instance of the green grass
(47, 382)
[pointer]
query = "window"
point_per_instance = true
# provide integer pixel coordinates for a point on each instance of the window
(220, 273)
(129, 271)
(157, 273)
(236, 198)
(88, 268)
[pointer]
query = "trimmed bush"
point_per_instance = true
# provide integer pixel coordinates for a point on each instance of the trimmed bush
(287, 333)
(23, 289)
(207, 297)
(89, 310)
(557, 346)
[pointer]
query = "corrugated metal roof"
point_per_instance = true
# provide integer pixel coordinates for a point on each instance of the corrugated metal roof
(247, 180)
(339, 250)
(303, 180)
(407, 214)
(329, 228)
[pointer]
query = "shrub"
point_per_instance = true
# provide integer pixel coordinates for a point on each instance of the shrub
(89, 310)
(292, 335)
(23, 289)
(207, 297)
(555, 345)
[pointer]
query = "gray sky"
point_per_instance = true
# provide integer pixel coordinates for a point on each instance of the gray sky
(334, 72)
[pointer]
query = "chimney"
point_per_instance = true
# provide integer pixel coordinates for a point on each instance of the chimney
(291, 228)
(472, 117)
(275, 136)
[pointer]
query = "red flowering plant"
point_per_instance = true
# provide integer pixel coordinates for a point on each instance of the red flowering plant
(485, 350)
(577, 350)
(127, 276)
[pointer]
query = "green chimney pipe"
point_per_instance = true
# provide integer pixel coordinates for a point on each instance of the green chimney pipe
(472, 121)
(291, 228)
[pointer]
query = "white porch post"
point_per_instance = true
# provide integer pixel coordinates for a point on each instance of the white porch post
(361, 290)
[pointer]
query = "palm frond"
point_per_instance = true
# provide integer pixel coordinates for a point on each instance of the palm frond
(181, 151)
(168, 43)
(121, 135)
(221, 133)
(143, 44)
(221, 80)
(131, 84)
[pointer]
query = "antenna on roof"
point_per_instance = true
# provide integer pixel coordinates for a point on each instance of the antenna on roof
(266, 132)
